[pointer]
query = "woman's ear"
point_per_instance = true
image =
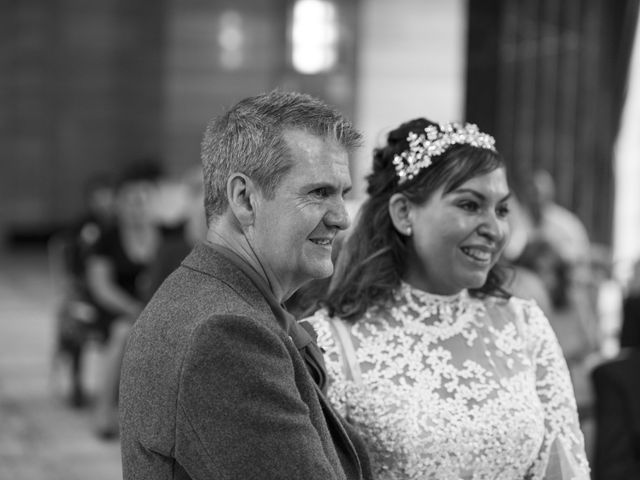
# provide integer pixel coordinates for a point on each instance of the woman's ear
(241, 194)
(400, 213)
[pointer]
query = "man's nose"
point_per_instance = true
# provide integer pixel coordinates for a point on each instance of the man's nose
(337, 216)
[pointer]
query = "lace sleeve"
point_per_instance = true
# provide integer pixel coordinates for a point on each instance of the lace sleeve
(562, 455)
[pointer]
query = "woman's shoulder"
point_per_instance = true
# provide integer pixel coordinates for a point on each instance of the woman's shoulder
(525, 312)
(530, 321)
(512, 303)
(527, 305)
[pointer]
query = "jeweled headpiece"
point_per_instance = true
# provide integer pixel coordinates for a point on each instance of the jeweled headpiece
(435, 141)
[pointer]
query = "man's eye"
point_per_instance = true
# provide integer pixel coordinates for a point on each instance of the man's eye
(321, 192)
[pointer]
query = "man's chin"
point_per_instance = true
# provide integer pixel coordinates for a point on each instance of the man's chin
(321, 271)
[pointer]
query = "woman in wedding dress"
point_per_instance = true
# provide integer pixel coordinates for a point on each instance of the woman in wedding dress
(446, 375)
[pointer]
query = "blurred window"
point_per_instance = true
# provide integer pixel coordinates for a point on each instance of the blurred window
(231, 40)
(314, 36)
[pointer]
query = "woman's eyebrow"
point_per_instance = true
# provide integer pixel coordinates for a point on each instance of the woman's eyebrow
(480, 196)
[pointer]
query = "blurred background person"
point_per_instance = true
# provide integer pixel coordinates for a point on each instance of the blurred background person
(68, 250)
(178, 211)
(556, 224)
(117, 278)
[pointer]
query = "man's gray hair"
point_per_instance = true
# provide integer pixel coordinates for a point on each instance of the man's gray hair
(249, 139)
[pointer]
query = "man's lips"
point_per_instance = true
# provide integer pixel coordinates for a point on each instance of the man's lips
(326, 242)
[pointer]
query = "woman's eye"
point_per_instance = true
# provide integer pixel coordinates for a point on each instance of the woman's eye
(469, 206)
(503, 211)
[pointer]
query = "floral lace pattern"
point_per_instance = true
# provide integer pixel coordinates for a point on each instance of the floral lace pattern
(457, 388)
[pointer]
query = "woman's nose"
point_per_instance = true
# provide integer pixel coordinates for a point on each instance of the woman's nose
(492, 227)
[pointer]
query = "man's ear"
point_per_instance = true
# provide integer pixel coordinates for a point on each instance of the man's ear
(400, 213)
(241, 194)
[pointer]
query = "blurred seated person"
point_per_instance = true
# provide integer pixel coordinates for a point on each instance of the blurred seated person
(76, 318)
(116, 276)
(99, 217)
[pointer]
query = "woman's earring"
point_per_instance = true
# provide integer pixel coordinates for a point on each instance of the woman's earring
(409, 231)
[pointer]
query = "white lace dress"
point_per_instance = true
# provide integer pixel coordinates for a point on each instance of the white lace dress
(453, 387)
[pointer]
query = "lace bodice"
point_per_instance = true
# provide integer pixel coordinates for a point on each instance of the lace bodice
(455, 388)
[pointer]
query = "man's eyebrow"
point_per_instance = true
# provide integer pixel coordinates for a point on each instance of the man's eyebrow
(478, 194)
(329, 186)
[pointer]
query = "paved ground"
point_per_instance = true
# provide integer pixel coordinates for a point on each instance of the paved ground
(41, 438)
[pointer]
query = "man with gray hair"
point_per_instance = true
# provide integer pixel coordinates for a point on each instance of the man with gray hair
(218, 380)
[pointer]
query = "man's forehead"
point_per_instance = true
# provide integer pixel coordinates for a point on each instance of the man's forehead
(302, 143)
(324, 173)
(320, 165)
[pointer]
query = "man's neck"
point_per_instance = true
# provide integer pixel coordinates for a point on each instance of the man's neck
(234, 240)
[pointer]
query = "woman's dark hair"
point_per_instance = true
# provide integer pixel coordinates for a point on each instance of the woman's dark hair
(373, 259)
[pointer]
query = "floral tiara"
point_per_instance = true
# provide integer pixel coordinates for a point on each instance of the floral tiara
(435, 141)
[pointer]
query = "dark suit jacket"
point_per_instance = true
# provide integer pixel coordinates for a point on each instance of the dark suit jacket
(213, 387)
(617, 392)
